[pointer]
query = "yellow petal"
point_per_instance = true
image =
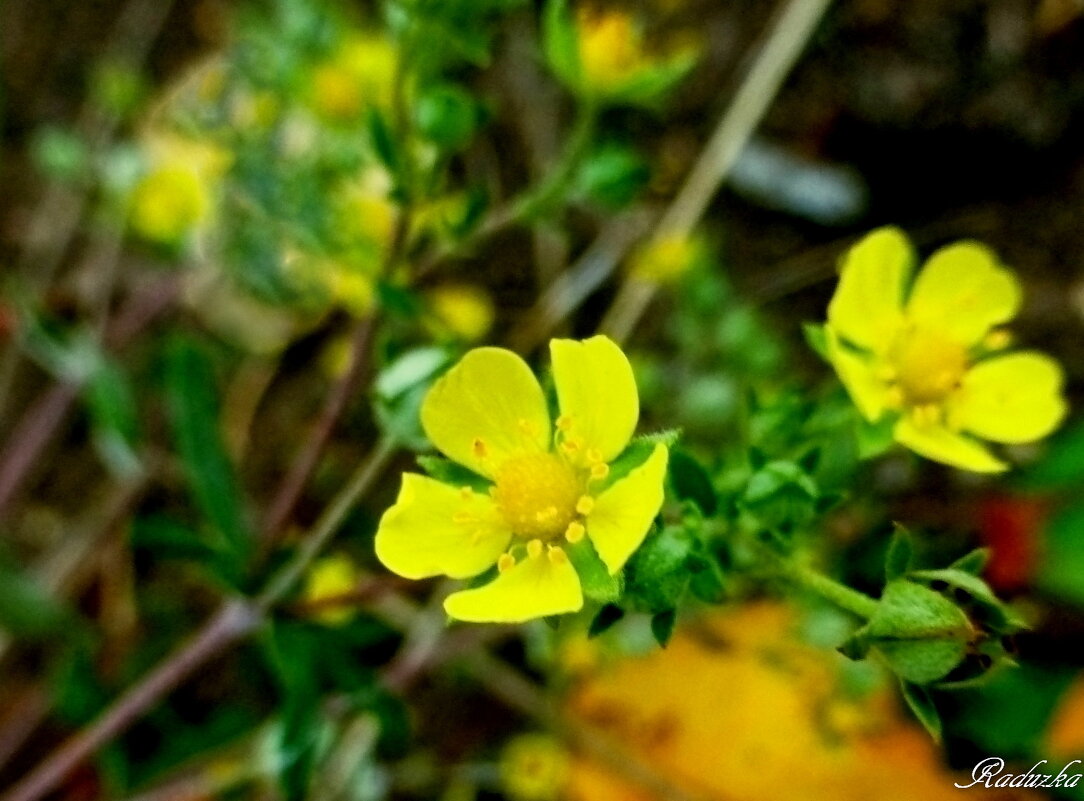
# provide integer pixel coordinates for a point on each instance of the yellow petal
(941, 445)
(622, 514)
(435, 529)
(537, 586)
(596, 391)
(964, 292)
(859, 376)
(867, 306)
(488, 407)
(1013, 398)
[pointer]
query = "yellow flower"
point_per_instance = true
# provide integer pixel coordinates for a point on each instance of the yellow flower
(461, 310)
(534, 767)
(546, 482)
(928, 351)
(611, 48)
(666, 260)
(329, 580)
(360, 73)
(174, 196)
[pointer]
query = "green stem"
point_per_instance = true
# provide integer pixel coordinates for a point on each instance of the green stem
(834, 592)
(554, 185)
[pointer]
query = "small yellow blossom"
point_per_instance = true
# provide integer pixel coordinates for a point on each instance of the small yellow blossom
(331, 579)
(929, 351)
(359, 74)
(174, 196)
(489, 414)
(461, 310)
(667, 259)
(534, 767)
(614, 60)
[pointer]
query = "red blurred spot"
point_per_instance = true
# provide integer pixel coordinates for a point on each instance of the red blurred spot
(7, 321)
(1011, 526)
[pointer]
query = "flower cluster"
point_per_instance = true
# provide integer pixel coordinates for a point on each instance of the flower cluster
(547, 484)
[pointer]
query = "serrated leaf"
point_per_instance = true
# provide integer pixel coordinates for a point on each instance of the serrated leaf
(658, 571)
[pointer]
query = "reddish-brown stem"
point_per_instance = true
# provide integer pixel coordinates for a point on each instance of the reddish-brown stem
(293, 484)
(235, 620)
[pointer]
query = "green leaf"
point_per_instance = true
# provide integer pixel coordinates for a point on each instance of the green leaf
(1062, 562)
(451, 473)
(400, 390)
(658, 572)
(901, 552)
(611, 175)
(26, 609)
(777, 476)
(595, 579)
(560, 43)
(114, 419)
(874, 439)
(816, 339)
(447, 115)
(921, 703)
(607, 616)
(973, 562)
(194, 416)
(384, 142)
(691, 482)
(662, 626)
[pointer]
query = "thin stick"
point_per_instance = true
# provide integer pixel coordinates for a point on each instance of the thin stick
(293, 484)
(234, 621)
(787, 39)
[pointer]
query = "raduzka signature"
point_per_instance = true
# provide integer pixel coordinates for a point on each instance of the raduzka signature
(990, 773)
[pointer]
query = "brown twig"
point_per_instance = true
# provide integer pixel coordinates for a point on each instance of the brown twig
(235, 620)
(285, 498)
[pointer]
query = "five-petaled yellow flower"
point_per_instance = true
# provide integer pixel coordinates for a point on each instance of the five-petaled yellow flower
(929, 351)
(547, 488)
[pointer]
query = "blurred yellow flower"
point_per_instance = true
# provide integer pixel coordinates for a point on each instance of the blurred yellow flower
(174, 196)
(462, 310)
(330, 579)
(534, 767)
(611, 48)
(738, 707)
(359, 74)
(489, 414)
(928, 351)
(666, 259)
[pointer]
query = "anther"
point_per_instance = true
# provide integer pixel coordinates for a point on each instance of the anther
(594, 455)
(575, 531)
(462, 516)
(505, 562)
(564, 423)
(600, 470)
(466, 493)
(534, 549)
(479, 448)
(585, 504)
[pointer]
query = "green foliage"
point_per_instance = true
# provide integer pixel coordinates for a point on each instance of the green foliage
(195, 418)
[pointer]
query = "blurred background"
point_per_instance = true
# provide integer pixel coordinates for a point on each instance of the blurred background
(253, 220)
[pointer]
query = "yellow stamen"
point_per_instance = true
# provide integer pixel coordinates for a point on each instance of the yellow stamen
(594, 456)
(998, 339)
(556, 555)
(564, 423)
(575, 531)
(930, 366)
(600, 470)
(505, 562)
(536, 494)
(585, 504)
(463, 516)
(479, 448)
(534, 549)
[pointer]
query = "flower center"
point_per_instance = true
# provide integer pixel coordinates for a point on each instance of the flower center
(537, 495)
(928, 366)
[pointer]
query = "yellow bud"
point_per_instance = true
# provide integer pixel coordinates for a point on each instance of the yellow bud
(330, 578)
(464, 311)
